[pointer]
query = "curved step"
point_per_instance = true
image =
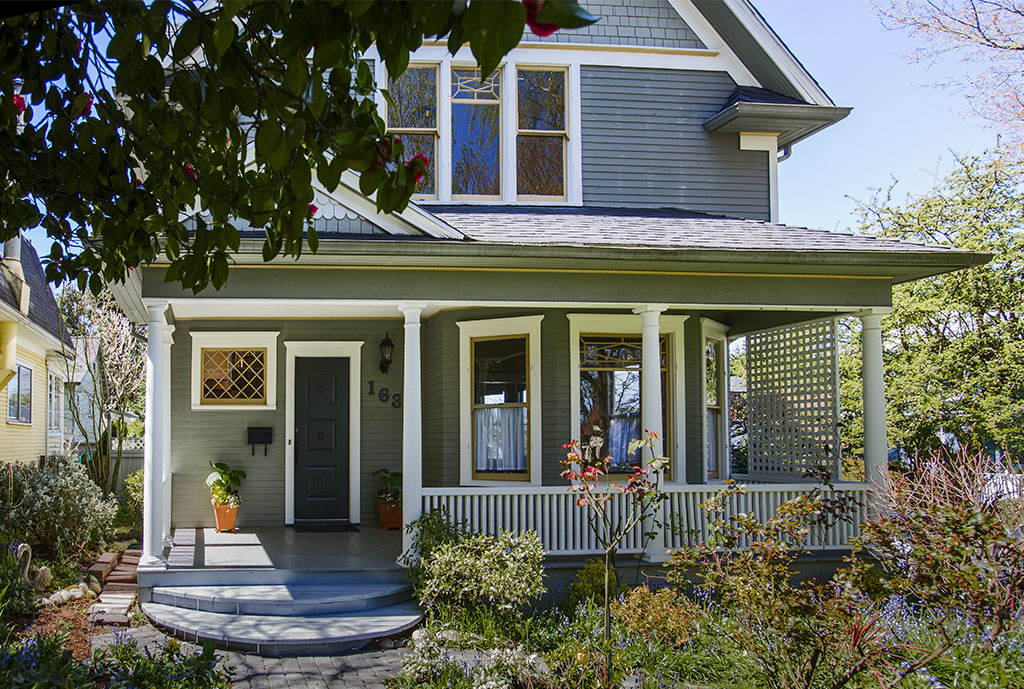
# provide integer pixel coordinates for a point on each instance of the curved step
(282, 599)
(273, 635)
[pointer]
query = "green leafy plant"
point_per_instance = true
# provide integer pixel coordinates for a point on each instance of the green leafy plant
(391, 485)
(129, 509)
(223, 483)
(42, 660)
(589, 582)
(128, 667)
(60, 508)
(428, 531)
(480, 571)
(662, 614)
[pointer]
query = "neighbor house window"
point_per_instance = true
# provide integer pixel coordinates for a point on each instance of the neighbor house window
(500, 388)
(19, 396)
(476, 134)
(542, 134)
(234, 370)
(610, 398)
(715, 399)
(412, 115)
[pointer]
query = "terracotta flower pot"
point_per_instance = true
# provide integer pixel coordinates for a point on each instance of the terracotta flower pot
(390, 514)
(225, 515)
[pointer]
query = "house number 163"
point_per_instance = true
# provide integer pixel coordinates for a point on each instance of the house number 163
(385, 396)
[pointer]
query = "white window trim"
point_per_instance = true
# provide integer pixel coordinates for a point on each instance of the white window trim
(238, 339)
(520, 325)
(430, 56)
(352, 351)
(713, 330)
(55, 407)
(630, 324)
(32, 396)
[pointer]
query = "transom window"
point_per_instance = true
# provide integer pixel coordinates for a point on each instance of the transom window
(19, 396)
(610, 394)
(501, 424)
(234, 375)
(504, 137)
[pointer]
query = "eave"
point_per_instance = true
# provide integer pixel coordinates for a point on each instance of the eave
(792, 122)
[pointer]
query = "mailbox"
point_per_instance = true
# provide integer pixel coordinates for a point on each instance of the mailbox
(260, 435)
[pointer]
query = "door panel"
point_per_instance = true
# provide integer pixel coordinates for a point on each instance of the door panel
(321, 438)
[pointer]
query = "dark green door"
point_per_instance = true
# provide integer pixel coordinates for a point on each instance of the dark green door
(321, 438)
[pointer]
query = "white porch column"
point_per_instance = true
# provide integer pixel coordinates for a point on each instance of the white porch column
(650, 408)
(164, 428)
(153, 466)
(650, 376)
(876, 447)
(412, 420)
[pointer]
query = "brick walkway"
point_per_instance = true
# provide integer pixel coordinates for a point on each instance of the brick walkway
(360, 670)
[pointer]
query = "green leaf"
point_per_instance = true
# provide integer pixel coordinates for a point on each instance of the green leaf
(566, 14)
(268, 138)
(312, 238)
(369, 181)
(223, 34)
(187, 39)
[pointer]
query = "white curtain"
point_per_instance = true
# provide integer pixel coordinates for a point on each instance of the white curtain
(501, 439)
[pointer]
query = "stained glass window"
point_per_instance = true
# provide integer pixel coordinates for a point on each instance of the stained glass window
(476, 133)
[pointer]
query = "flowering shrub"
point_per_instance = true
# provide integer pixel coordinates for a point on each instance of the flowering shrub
(484, 572)
(58, 507)
(662, 614)
(430, 530)
(493, 668)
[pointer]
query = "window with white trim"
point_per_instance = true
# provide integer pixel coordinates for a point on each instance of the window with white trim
(605, 371)
(716, 400)
(500, 399)
(234, 370)
(54, 404)
(503, 138)
(19, 396)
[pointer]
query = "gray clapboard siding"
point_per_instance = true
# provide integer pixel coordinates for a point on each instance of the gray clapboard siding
(644, 144)
(651, 23)
(198, 437)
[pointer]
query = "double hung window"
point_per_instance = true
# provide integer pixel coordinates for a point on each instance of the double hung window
(716, 403)
(19, 396)
(542, 134)
(412, 115)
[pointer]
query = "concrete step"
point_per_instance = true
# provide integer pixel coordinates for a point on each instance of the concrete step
(273, 635)
(259, 576)
(282, 599)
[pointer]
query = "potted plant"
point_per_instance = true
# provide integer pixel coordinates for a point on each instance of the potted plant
(223, 483)
(389, 499)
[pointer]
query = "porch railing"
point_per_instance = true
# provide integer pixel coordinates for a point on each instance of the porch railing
(564, 528)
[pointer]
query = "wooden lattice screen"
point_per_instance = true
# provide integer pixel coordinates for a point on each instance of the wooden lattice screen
(793, 400)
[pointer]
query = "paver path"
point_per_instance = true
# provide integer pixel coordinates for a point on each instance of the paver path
(359, 670)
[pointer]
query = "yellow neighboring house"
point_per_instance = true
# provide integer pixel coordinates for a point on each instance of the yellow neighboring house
(31, 358)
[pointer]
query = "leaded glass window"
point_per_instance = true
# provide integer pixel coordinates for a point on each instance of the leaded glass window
(540, 144)
(500, 399)
(476, 133)
(610, 394)
(232, 376)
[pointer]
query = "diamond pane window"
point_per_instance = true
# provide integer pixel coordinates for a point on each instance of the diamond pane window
(232, 376)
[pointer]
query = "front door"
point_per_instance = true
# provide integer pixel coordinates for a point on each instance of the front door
(321, 438)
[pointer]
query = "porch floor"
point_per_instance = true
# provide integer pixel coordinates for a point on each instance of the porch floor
(283, 548)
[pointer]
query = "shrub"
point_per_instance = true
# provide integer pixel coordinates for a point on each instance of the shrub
(431, 530)
(663, 614)
(482, 571)
(129, 510)
(588, 584)
(58, 507)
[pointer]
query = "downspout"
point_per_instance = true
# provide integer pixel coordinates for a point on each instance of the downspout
(786, 152)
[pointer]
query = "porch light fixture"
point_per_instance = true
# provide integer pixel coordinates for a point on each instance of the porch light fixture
(387, 348)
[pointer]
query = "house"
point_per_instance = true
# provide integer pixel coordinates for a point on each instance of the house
(33, 347)
(600, 220)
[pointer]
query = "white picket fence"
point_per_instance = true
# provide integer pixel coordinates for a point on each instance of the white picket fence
(564, 527)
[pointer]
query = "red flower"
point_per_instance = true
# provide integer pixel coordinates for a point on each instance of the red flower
(533, 7)
(78, 45)
(19, 102)
(137, 183)
(417, 170)
(87, 110)
(312, 209)
(191, 172)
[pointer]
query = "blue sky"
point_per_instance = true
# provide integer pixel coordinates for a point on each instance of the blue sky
(902, 127)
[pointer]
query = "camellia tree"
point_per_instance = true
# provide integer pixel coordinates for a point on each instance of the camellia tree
(120, 120)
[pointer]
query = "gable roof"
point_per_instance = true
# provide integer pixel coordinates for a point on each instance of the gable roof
(42, 308)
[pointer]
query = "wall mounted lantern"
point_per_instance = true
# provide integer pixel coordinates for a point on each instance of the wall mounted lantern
(387, 349)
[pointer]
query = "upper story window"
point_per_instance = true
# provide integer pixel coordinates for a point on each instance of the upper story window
(19, 396)
(501, 139)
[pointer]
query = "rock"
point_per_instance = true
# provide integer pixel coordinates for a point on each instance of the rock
(420, 635)
(60, 597)
(448, 635)
(386, 644)
(76, 593)
(95, 587)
